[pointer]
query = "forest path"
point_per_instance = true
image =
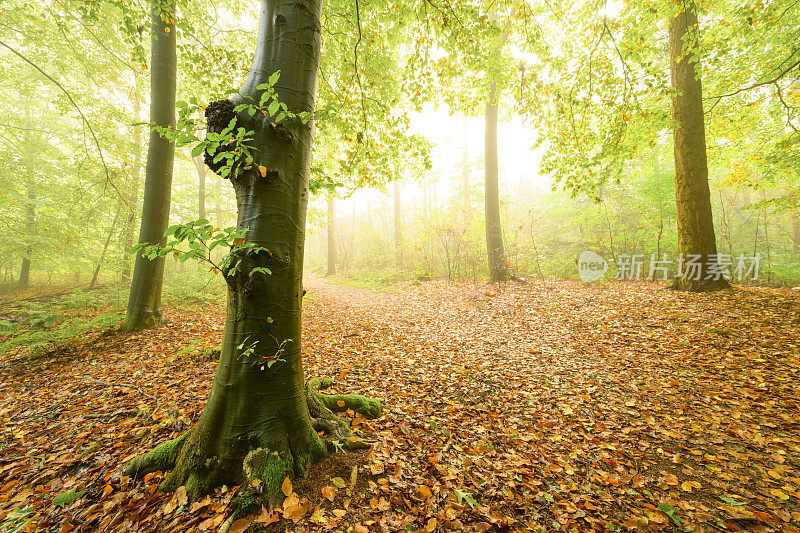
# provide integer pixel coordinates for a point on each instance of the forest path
(586, 405)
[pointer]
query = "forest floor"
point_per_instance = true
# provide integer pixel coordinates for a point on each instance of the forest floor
(539, 407)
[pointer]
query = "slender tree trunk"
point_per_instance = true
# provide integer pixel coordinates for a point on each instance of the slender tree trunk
(30, 207)
(30, 226)
(331, 237)
(354, 230)
(467, 204)
(257, 423)
(398, 226)
(111, 231)
(133, 198)
(144, 301)
(696, 239)
(796, 232)
(498, 268)
(201, 185)
(218, 200)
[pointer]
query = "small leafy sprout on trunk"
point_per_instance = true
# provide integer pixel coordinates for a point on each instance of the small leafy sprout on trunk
(202, 238)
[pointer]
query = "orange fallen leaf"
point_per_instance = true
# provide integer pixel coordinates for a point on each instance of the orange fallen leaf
(286, 487)
(328, 492)
(239, 526)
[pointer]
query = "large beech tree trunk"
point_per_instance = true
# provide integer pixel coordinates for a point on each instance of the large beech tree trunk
(696, 239)
(257, 423)
(498, 269)
(144, 301)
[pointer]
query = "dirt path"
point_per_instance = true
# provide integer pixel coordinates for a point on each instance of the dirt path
(591, 407)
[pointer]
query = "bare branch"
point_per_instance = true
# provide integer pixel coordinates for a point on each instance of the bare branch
(85, 120)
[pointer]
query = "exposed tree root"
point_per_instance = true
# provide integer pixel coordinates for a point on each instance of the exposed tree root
(336, 431)
(162, 458)
(699, 285)
(200, 464)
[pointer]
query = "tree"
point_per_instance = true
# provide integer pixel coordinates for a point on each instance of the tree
(201, 186)
(261, 419)
(398, 226)
(133, 198)
(498, 268)
(331, 237)
(144, 301)
(696, 238)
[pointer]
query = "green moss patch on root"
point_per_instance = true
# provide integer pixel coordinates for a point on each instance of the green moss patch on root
(270, 467)
(323, 408)
(161, 458)
(367, 407)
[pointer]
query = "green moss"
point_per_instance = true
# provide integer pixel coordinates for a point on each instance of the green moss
(368, 407)
(162, 457)
(193, 486)
(319, 383)
(246, 503)
(270, 467)
(316, 450)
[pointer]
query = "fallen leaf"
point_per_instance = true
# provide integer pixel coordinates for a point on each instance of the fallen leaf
(286, 487)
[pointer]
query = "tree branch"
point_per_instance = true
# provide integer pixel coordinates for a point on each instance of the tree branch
(774, 80)
(355, 64)
(78, 109)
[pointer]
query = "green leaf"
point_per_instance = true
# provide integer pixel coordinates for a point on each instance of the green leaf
(198, 149)
(465, 496)
(172, 230)
(731, 501)
(66, 498)
(671, 512)
(274, 77)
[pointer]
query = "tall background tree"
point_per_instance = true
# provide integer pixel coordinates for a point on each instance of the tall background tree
(697, 241)
(144, 301)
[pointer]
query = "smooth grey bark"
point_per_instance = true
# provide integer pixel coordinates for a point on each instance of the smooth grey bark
(331, 254)
(398, 226)
(144, 301)
(201, 185)
(498, 268)
(257, 422)
(696, 236)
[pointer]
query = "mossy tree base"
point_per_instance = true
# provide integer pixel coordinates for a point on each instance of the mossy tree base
(200, 460)
(698, 285)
